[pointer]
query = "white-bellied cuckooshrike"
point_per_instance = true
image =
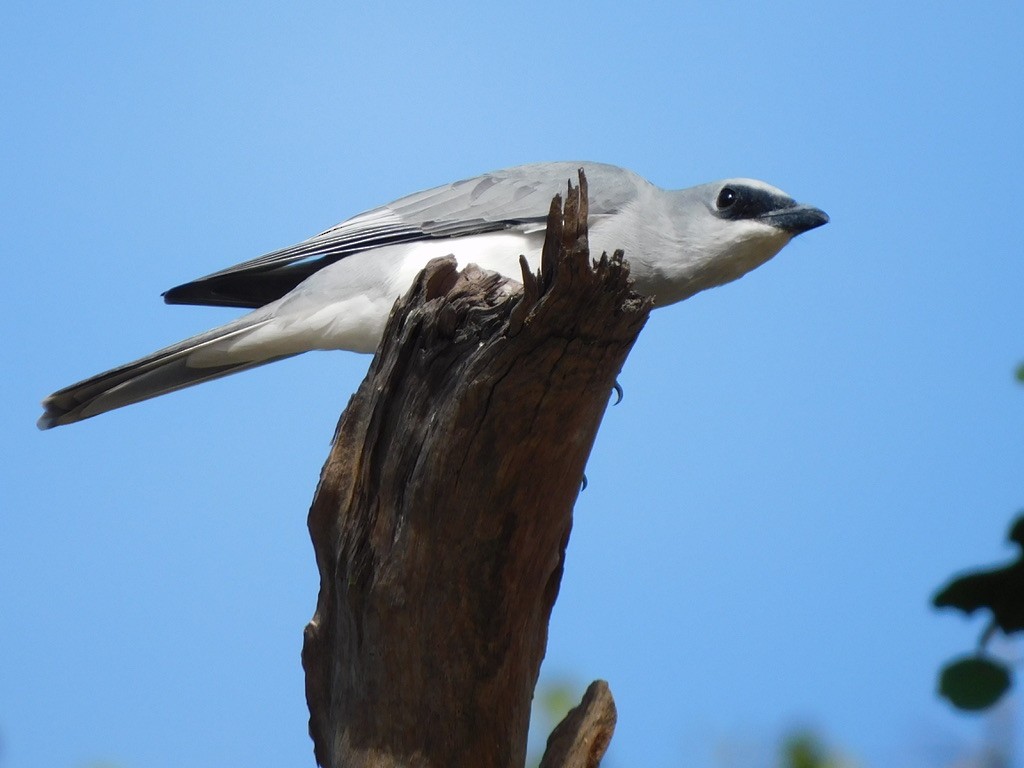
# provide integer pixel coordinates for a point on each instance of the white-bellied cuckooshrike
(335, 290)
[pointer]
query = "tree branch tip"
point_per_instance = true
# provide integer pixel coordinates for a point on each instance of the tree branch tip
(583, 736)
(439, 277)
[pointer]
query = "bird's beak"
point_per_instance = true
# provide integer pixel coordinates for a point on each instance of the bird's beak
(796, 219)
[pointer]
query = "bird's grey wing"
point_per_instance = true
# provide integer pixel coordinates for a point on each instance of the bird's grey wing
(267, 278)
(516, 198)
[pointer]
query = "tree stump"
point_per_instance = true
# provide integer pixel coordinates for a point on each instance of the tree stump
(444, 508)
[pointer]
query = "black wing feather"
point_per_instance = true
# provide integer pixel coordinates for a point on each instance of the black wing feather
(517, 198)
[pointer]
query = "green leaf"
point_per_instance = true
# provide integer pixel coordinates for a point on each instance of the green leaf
(556, 699)
(804, 750)
(1000, 590)
(974, 682)
(1020, 373)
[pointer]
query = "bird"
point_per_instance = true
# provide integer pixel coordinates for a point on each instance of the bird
(336, 289)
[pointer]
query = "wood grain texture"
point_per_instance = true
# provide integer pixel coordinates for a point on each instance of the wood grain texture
(444, 508)
(582, 738)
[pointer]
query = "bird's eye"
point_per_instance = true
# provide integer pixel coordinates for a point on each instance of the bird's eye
(726, 198)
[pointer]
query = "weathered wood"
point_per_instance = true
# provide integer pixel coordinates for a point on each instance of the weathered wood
(582, 738)
(444, 508)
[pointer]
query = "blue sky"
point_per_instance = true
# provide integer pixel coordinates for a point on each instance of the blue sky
(801, 458)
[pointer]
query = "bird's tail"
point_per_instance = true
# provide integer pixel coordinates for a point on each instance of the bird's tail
(166, 370)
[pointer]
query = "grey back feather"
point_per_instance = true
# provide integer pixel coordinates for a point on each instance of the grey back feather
(515, 198)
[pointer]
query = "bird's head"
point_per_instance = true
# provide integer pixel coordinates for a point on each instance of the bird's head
(727, 228)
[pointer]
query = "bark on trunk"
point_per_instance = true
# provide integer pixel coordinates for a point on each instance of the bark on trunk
(444, 508)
